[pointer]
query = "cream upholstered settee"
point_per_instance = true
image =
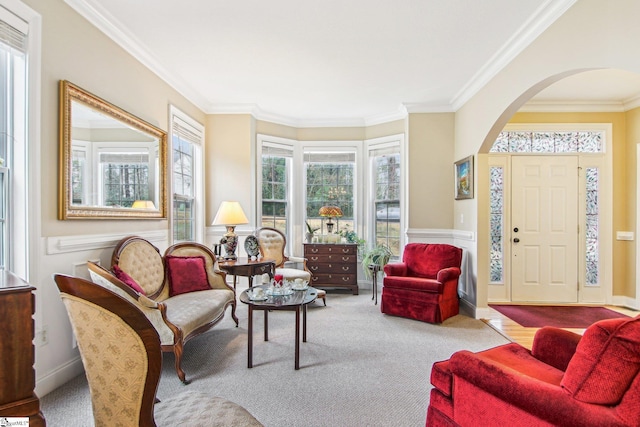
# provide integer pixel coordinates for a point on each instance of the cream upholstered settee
(182, 293)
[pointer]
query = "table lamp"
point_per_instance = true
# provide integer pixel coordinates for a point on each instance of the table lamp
(330, 212)
(143, 204)
(230, 214)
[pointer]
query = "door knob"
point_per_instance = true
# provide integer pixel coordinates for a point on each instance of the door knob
(516, 240)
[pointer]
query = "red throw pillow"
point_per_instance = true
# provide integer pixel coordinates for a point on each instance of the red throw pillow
(126, 279)
(605, 363)
(186, 274)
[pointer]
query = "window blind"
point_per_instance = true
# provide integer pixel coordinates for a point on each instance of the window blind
(186, 132)
(13, 30)
(326, 157)
(276, 150)
(124, 158)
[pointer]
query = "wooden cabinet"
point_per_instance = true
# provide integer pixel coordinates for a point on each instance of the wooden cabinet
(17, 375)
(333, 265)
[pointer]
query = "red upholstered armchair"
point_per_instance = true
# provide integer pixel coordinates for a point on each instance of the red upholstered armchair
(565, 380)
(424, 286)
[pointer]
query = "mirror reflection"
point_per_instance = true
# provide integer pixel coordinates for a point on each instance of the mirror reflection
(113, 162)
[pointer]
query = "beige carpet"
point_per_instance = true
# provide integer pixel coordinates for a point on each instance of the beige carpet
(358, 368)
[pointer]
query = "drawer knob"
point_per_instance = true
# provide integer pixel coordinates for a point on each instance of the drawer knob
(345, 258)
(314, 258)
(345, 279)
(314, 250)
(329, 265)
(314, 268)
(346, 268)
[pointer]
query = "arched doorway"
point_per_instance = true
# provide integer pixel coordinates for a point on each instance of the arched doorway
(600, 108)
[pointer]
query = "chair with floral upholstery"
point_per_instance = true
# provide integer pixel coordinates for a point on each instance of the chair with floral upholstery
(122, 356)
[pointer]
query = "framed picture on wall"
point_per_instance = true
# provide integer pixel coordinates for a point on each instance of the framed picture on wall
(464, 178)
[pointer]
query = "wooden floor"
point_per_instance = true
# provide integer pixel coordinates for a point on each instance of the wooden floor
(524, 336)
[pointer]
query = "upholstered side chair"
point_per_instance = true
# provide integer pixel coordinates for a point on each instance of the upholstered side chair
(424, 286)
(272, 244)
(122, 356)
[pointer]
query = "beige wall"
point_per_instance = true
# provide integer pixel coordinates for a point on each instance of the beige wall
(430, 200)
(598, 34)
(74, 50)
(632, 120)
(229, 171)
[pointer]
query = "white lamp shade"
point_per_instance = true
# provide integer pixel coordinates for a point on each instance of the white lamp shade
(230, 213)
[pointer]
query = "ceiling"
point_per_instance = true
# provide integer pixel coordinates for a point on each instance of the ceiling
(329, 62)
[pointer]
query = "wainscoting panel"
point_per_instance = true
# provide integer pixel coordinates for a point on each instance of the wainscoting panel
(64, 244)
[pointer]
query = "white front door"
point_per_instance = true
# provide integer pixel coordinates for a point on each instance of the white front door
(544, 229)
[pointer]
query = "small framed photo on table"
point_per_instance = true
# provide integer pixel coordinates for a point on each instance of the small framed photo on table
(464, 178)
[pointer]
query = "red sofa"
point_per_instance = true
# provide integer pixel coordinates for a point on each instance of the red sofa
(424, 286)
(565, 380)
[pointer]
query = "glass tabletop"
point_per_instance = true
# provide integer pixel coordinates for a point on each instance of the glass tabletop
(295, 298)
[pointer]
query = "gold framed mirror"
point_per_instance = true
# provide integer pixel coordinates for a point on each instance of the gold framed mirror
(112, 163)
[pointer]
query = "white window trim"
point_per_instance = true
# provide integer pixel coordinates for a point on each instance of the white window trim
(256, 196)
(333, 147)
(32, 215)
(198, 173)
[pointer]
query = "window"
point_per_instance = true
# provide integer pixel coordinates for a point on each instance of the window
(330, 181)
(276, 178)
(386, 203)
(124, 177)
(334, 173)
(583, 142)
(385, 192)
(496, 195)
(187, 138)
(13, 143)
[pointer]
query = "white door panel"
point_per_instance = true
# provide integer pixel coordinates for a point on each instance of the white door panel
(544, 235)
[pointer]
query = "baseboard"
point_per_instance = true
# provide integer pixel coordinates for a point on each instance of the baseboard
(627, 302)
(59, 376)
(468, 309)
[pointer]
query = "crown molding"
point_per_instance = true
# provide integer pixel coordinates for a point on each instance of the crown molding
(582, 106)
(427, 108)
(631, 103)
(399, 114)
(259, 114)
(93, 12)
(569, 106)
(546, 15)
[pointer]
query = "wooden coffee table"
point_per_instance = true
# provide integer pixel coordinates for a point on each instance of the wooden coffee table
(247, 267)
(297, 302)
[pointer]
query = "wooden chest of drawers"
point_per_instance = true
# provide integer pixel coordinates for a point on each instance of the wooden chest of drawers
(333, 265)
(17, 376)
